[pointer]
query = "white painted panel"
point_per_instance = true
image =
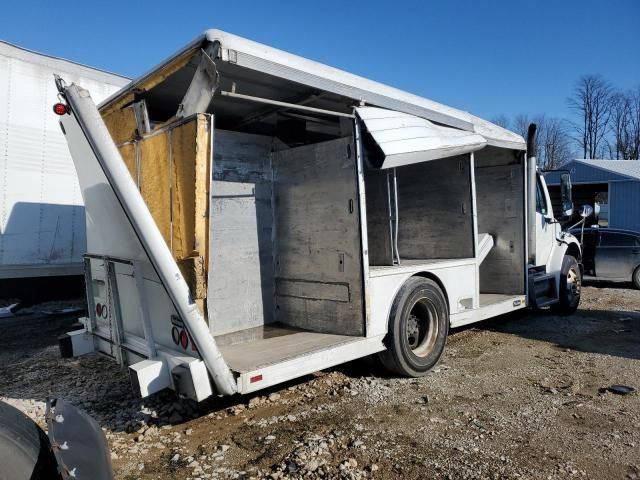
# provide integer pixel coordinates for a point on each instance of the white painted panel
(305, 364)
(457, 276)
(406, 139)
(41, 211)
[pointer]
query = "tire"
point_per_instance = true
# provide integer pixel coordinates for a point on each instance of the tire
(570, 287)
(636, 278)
(418, 328)
(25, 452)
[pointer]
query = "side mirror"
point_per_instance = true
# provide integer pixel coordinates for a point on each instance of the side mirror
(565, 195)
(596, 209)
(586, 211)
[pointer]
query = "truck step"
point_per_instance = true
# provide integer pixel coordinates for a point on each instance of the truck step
(545, 301)
(542, 289)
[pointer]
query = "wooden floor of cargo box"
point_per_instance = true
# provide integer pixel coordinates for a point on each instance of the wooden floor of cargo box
(259, 347)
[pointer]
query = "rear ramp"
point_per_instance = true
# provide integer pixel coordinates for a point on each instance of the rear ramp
(122, 231)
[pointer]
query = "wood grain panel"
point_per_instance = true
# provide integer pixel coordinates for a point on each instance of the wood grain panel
(500, 199)
(241, 287)
(435, 217)
(318, 236)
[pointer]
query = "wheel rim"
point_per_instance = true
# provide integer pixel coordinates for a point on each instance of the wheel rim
(573, 284)
(422, 327)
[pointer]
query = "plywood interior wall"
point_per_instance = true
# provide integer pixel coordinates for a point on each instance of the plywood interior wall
(435, 209)
(172, 168)
(378, 229)
(500, 192)
(241, 286)
(318, 257)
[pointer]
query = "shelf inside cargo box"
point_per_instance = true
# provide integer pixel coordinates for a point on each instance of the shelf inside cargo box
(410, 266)
(259, 347)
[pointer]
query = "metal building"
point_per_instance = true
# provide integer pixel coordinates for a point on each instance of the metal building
(614, 184)
(42, 222)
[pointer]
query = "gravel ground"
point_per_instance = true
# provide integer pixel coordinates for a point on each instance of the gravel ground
(516, 397)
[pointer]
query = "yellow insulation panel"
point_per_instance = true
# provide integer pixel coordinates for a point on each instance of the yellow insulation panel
(155, 180)
(172, 168)
(128, 154)
(121, 124)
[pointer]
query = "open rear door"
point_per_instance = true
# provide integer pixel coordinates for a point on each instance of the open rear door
(139, 302)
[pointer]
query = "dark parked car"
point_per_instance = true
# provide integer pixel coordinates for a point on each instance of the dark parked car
(611, 254)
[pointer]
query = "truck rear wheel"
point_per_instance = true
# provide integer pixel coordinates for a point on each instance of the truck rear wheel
(636, 278)
(418, 328)
(25, 451)
(570, 287)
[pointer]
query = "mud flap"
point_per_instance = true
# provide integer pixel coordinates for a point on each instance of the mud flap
(78, 443)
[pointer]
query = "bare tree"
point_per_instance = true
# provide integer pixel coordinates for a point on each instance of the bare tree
(591, 100)
(625, 125)
(552, 140)
(521, 125)
(619, 123)
(634, 126)
(554, 144)
(502, 121)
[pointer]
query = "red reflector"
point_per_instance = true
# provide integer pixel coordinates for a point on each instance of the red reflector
(60, 109)
(184, 339)
(256, 378)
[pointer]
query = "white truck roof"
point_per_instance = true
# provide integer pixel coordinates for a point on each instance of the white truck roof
(271, 61)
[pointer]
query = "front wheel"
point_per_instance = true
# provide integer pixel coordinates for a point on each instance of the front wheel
(570, 287)
(418, 328)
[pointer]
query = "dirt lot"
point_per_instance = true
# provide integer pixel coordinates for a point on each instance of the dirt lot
(517, 397)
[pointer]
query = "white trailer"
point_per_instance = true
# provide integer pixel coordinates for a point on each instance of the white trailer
(254, 216)
(42, 228)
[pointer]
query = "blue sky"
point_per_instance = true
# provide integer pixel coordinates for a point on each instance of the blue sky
(487, 57)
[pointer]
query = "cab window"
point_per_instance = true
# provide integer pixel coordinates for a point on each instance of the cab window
(541, 202)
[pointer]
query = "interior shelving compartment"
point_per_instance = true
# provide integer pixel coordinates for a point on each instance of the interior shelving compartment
(284, 239)
(285, 271)
(500, 201)
(434, 212)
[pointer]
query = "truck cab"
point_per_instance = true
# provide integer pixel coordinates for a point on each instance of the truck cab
(555, 255)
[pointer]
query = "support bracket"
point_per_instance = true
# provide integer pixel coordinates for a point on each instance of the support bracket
(201, 89)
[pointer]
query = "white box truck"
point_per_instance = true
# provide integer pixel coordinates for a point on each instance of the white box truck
(254, 216)
(42, 227)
